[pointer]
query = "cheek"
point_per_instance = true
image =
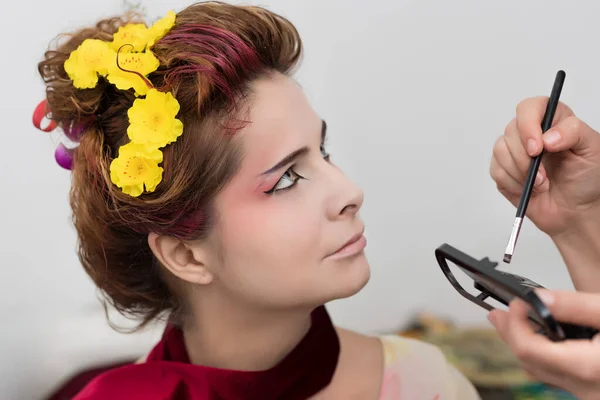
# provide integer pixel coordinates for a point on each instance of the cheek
(270, 257)
(274, 233)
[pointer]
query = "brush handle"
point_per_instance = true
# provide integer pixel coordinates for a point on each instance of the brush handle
(537, 160)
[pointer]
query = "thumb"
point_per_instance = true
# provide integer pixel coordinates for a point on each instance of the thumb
(572, 134)
(572, 307)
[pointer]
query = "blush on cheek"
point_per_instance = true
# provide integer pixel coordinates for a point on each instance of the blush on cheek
(249, 220)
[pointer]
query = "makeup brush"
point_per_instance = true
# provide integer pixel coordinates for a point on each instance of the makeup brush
(533, 168)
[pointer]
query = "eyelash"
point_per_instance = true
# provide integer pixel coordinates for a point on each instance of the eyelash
(293, 175)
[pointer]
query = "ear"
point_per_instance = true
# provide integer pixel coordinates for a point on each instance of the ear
(181, 259)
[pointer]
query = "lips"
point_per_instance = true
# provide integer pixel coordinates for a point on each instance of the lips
(352, 240)
(355, 238)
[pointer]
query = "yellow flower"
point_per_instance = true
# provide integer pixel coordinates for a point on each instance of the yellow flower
(135, 35)
(142, 63)
(91, 58)
(160, 28)
(136, 167)
(152, 120)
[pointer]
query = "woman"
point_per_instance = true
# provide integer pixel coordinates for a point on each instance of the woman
(203, 191)
(566, 206)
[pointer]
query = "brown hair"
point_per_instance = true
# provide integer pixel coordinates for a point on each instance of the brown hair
(208, 60)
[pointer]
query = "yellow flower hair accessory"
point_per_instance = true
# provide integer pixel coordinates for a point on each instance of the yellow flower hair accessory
(126, 62)
(160, 28)
(129, 70)
(136, 169)
(92, 58)
(152, 120)
(134, 35)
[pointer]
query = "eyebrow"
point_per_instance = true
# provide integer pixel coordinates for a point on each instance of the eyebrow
(296, 153)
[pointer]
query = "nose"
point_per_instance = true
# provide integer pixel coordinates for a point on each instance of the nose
(345, 197)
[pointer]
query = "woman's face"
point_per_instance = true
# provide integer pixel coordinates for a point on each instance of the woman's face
(288, 227)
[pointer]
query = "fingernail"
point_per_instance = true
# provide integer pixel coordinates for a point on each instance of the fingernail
(596, 338)
(551, 137)
(546, 297)
(539, 179)
(531, 146)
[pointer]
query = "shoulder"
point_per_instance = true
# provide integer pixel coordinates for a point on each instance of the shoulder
(404, 368)
(416, 369)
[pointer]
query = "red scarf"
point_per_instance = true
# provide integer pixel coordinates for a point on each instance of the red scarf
(168, 374)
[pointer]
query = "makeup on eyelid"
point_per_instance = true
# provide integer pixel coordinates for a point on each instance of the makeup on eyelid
(280, 181)
(268, 182)
(272, 180)
(269, 179)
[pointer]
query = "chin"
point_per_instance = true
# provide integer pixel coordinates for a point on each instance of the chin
(351, 277)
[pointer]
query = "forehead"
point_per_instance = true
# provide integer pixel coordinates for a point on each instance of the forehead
(281, 120)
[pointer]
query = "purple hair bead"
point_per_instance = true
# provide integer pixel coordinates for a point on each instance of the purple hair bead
(64, 156)
(74, 132)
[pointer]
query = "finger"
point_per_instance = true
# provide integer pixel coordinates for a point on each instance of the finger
(531, 372)
(578, 308)
(505, 160)
(571, 134)
(530, 113)
(554, 380)
(500, 320)
(518, 324)
(579, 359)
(522, 337)
(518, 152)
(562, 363)
(505, 183)
(540, 373)
(509, 186)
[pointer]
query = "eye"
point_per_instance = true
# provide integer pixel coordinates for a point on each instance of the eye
(287, 181)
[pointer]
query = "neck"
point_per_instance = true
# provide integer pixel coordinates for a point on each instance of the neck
(227, 336)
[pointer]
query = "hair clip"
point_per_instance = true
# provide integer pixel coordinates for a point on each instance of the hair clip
(38, 116)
